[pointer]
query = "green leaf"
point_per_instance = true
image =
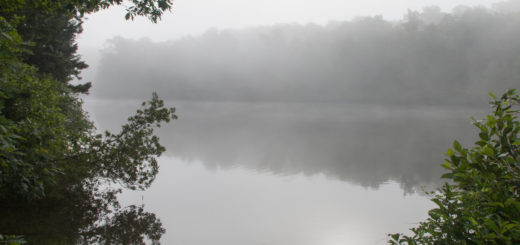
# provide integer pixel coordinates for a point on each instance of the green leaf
(483, 136)
(517, 205)
(491, 224)
(9, 37)
(507, 227)
(473, 221)
(446, 165)
(488, 151)
(457, 146)
(447, 176)
(396, 236)
(496, 204)
(450, 152)
(509, 202)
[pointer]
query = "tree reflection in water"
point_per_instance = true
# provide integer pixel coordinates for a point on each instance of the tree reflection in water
(81, 215)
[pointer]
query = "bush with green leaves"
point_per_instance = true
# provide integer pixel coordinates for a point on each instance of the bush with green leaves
(481, 202)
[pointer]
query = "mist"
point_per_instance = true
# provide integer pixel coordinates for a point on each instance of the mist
(363, 145)
(366, 101)
(427, 58)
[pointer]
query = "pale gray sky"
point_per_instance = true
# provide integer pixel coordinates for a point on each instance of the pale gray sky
(193, 17)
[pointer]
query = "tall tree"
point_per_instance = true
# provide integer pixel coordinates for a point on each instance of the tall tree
(52, 26)
(53, 49)
(50, 154)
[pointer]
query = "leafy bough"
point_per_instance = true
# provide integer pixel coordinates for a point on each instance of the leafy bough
(481, 205)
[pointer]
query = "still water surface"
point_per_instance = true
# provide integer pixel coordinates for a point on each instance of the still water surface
(308, 174)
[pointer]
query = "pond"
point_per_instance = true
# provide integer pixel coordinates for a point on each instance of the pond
(293, 173)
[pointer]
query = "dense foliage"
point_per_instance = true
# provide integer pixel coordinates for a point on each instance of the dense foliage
(52, 26)
(481, 204)
(52, 161)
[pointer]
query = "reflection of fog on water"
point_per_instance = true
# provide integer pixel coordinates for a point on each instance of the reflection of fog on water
(362, 144)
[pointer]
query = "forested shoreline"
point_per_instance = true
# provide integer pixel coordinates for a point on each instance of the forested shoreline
(429, 57)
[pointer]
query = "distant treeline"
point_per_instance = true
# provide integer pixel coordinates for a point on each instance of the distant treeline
(429, 57)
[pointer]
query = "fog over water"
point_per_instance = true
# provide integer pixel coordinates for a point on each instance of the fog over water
(365, 101)
(363, 144)
(280, 173)
(307, 133)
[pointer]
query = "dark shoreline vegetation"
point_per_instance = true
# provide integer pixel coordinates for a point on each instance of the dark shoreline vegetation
(58, 177)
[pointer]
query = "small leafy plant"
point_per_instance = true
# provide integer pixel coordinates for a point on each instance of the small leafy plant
(481, 204)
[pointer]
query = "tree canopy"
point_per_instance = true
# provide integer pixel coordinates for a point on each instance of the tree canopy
(51, 28)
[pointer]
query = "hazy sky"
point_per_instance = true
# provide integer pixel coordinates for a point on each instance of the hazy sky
(193, 17)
